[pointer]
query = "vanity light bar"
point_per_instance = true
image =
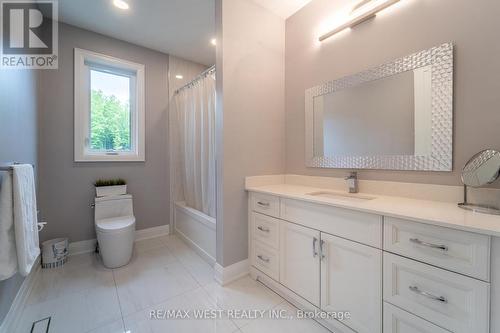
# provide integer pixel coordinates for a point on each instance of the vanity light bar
(362, 12)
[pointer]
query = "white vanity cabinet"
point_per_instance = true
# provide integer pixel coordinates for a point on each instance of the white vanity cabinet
(391, 275)
(300, 261)
(420, 274)
(330, 258)
(351, 280)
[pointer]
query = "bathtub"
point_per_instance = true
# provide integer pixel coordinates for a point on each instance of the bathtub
(197, 229)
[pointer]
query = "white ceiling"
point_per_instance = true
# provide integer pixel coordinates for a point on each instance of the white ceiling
(283, 8)
(182, 28)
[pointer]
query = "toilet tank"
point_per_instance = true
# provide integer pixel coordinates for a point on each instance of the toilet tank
(113, 206)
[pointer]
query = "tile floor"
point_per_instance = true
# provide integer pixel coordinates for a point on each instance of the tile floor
(164, 274)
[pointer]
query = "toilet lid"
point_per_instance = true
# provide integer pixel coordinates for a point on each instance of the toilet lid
(114, 223)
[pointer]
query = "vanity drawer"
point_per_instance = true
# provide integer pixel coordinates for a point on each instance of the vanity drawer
(455, 250)
(265, 204)
(357, 226)
(266, 259)
(400, 321)
(266, 229)
(455, 302)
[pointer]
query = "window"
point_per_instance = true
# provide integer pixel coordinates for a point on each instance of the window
(109, 108)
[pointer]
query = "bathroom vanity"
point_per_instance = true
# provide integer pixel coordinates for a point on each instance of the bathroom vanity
(400, 262)
(397, 265)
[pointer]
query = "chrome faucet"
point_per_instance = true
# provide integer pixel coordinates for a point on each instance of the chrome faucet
(352, 182)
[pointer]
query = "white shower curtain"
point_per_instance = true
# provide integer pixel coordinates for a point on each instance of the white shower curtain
(194, 117)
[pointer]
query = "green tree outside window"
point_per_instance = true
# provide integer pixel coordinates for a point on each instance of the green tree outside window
(109, 123)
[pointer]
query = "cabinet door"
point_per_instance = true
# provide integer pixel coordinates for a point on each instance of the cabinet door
(351, 280)
(299, 260)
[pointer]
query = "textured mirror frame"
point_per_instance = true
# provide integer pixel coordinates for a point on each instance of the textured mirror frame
(440, 58)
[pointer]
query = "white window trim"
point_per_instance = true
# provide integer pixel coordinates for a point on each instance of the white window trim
(82, 109)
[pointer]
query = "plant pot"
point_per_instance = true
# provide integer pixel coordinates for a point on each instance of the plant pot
(106, 191)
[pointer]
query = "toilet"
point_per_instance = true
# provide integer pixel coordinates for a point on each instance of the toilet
(115, 229)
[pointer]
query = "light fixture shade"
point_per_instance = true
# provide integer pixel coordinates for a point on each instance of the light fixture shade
(359, 14)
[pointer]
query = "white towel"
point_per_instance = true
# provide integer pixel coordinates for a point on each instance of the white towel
(25, 218)
(8, 254)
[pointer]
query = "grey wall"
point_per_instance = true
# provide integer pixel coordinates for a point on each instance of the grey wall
(66, 189)
(409, 26)
(250, 107)
(18, 134)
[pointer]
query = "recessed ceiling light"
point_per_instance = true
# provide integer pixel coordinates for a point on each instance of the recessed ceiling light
(178, 76)
(120, 4)
(213, 41)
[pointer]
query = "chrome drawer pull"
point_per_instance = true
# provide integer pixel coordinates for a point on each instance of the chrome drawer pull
(263, 204)
(263, 229)
(428, 295)
(315, 253)
(262, 258)
(321, 243)
(433, 246)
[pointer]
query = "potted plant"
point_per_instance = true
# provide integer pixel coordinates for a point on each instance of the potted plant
(108, 187)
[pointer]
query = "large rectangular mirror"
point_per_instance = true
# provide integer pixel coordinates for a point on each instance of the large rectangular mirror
(397, 116)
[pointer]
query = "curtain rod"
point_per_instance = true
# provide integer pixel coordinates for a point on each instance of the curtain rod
(200, 76)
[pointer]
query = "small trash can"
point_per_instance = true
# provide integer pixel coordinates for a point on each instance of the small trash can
(54, 252)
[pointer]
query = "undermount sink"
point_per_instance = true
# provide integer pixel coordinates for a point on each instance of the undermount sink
(341, 196)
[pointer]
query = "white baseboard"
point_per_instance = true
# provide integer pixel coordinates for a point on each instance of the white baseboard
(225, 275)
(153, 232)
(202, 253)
(88, 245)
(16, 309)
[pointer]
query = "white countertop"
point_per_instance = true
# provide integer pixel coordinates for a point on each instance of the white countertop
(430, 212)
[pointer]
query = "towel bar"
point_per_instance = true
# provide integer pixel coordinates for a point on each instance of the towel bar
(10, 167)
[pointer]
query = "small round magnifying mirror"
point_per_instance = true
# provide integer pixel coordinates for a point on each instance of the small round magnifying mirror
(483, 168)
